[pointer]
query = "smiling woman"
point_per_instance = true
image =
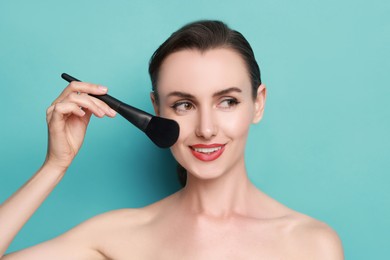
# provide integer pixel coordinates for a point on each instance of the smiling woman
(196, 90)
(206, 78)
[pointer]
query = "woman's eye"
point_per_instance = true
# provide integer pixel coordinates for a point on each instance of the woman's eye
(228, 103)
(182, 106)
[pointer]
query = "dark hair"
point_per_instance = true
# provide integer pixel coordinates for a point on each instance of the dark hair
(204, 35)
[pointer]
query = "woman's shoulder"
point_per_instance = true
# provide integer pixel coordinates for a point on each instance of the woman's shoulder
(102, 226)
(120, 218)
(122, 214)
(303, 235)
(129, 217)
(311, 238)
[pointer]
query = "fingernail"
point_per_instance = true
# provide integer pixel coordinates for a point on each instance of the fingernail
(102, 89)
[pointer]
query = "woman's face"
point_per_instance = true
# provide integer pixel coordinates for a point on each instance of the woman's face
(209, 94)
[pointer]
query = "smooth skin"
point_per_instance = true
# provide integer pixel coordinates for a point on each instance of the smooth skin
(220, 214)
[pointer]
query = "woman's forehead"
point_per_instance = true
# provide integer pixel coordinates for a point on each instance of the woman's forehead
(191, 70)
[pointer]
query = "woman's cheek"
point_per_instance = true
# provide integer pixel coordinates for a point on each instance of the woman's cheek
(186, 126)
(235, 124)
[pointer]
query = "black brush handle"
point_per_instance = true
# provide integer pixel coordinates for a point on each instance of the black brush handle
(137, 117)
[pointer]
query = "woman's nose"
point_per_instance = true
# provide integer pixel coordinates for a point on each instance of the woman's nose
(206, 125)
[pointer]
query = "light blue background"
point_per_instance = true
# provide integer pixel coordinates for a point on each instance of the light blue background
(322, 147)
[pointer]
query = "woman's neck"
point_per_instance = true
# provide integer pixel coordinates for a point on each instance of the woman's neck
(230, 194)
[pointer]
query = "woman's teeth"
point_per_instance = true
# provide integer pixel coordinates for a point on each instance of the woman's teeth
(207, 150)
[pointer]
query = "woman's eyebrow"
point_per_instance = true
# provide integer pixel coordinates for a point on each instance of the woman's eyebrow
(227, 91)
(180, 94)
(216, 94)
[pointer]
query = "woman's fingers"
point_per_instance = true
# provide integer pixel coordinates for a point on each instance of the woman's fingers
(60, 110)
(96, 106)
(81, 87)
(86, 102)
(83, 101)
(103, 106)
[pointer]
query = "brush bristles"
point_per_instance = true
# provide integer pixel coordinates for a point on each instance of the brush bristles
(163, 132)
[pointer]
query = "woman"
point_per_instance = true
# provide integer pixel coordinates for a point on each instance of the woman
(206, 78)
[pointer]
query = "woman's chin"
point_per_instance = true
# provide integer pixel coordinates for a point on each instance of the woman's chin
(204, 175)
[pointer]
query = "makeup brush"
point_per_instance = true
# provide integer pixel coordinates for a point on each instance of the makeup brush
(162, 131)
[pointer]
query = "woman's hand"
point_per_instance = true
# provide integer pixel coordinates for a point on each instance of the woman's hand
(68, 118)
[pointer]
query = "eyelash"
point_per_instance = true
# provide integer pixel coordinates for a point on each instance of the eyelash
(232, 102)
(179, 103)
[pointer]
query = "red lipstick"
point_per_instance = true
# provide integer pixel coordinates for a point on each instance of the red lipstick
(207, 152)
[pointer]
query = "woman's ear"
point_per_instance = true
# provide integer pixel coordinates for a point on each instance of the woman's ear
(259, 103)
(154, 102)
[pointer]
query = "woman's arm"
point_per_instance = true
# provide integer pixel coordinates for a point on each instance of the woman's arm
(17, 209)
(67, 120)
(81, 242)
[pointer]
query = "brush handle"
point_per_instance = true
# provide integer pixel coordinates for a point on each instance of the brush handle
(137, 117)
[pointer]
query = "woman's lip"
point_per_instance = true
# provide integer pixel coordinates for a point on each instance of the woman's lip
(206, 145)
(207, 157)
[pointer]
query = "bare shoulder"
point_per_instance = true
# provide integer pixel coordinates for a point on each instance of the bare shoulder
(300, 236)
(309, 238)
(127, 218)
(126, 233)
(117, 218)
(105, 225)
